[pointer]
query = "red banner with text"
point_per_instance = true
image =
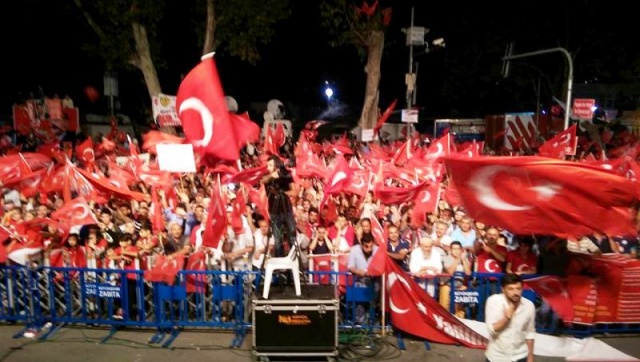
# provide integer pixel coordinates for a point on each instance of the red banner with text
(605, 291)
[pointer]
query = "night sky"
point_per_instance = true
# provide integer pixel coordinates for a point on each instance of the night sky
(43, 47)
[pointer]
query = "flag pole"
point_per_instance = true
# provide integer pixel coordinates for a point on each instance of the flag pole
(383, 306)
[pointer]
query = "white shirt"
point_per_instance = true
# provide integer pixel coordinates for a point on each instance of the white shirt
(260, 246)
(509, 344)
(418, 260)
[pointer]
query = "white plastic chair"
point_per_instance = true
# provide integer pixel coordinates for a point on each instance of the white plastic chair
(289, 262)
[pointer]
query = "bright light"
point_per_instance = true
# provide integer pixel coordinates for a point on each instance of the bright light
(328, 92)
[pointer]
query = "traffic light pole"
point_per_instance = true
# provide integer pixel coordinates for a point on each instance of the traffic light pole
(567, 110)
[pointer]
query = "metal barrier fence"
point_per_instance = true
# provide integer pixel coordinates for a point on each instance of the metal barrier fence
(220, 300)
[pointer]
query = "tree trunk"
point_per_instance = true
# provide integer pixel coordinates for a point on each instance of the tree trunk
(210, 30)
(375, 46)
(144, 61)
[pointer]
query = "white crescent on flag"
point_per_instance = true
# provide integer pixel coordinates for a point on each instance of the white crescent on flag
(481, 183)
(206, 118)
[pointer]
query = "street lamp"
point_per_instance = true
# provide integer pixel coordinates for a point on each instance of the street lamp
(415, 37)
(566, 54)
(328, 91)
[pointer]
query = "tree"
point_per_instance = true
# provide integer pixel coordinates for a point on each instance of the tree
(127, 31)
(364, 27)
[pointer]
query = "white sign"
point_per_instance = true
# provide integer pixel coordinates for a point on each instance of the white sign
(164, 111)
(409, 116)
(176, 157)
(367, 135)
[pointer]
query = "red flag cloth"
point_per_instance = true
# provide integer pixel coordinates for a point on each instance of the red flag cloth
(245, 130)
(398, 195)
(152, 138)
(239, 205)
(403, 154)
(28, 185)
(553, 290)
(216, 223)
(415, 312)
(85, 152)
(249, 176)
(278, 135)
(377, 265)
(562, 144)
(21, 120)
(536, 195)
(165, 269)
(104, 186)
(338, 180)
(270, 146)
(76, 212)
(384, 116)
(196, 282)
(207, 123)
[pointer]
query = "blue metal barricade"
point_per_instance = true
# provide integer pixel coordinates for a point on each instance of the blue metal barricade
(212, 299)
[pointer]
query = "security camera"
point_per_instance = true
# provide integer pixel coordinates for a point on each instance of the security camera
(438, 42)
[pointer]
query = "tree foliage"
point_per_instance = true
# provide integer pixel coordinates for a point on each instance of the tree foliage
(243, 25)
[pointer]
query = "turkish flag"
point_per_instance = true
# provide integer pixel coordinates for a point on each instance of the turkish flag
(535, 195)
(165, 269)
(203, 112)
(28, 185)
(553, 290)
(377, 265)
(398, 195)
(196, 282)
(270, 146)
(415, 312)
(427, 201)
(359, 184)
(339, 178)
(440, 147)
(152, 138)
(238, 204)
(250, 176)
(312, 166)
(85, 152)
(216, 223)
(403, 154)
(384, 116)
(76, 212)
(260, 199)
(562, 144)
(244, 129)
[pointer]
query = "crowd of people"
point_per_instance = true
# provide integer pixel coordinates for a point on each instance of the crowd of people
(127, 234)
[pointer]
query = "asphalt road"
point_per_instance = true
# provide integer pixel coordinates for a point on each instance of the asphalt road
(82, 344)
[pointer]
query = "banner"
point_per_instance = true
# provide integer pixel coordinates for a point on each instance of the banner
(605, 291)
(164, 111)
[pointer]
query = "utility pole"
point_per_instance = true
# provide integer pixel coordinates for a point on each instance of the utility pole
(567, 55)
(410, 78)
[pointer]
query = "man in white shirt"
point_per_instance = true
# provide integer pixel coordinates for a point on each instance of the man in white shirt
(262, 244)
(425, 263)
(511, 323)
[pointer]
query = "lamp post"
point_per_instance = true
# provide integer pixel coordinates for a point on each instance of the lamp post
(567, 55)
(415, 37)
(328, 92)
